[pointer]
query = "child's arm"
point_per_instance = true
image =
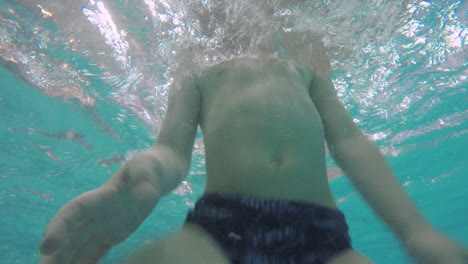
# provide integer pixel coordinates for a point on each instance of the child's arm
(172, 153)
(369, 172)
(361, 160)
(86, 227)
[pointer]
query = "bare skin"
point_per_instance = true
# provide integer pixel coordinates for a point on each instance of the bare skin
(270, 127)
(265, 121)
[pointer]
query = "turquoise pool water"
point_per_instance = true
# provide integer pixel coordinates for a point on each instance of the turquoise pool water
(406, 86)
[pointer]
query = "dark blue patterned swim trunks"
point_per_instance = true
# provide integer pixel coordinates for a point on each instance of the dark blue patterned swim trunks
(253, 230)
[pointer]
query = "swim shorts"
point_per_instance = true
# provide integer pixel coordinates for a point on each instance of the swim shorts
(253, 230)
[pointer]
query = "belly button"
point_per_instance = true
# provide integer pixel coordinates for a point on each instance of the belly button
(280, 162)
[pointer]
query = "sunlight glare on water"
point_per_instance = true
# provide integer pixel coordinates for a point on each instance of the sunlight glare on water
(139, 49)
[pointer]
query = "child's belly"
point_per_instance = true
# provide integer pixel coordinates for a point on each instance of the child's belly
(270, 164)
(263, 135)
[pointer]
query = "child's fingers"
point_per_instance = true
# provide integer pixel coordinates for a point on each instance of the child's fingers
(60, 227)
(67, 220)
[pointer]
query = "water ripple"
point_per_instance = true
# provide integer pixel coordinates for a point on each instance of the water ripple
(392, 59)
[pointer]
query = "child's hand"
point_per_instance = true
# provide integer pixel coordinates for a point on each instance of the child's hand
(85, 228)
(427, 246)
